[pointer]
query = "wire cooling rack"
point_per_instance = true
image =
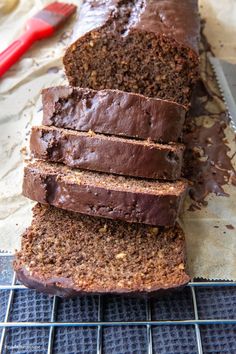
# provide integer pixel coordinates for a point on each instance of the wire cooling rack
(199, 319)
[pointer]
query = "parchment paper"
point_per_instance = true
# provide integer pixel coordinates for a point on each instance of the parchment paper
(211, 246)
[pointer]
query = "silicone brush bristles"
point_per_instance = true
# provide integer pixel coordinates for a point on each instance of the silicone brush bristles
(61, 8)
(56, 13)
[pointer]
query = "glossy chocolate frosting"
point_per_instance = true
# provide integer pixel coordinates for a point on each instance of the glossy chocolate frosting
(176, 19)
(131, 200)
(113, 112)
(102, 153)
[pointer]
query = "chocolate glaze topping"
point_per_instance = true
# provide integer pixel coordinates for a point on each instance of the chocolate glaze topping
(229, 227)
(148, 47)
(156, 16)
(183, 14)
(128, 199)
(109, 154)
(113, 112)
(208, 159)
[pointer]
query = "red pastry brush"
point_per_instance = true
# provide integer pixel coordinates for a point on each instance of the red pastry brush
(42, 25)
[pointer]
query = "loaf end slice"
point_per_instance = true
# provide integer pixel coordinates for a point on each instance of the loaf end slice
(109, 196)
(68, 254)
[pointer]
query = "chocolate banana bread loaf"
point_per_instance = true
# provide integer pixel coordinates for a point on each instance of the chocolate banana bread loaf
(144, 46)
(109, 154)
(67, 254)
(98, 194)
(113, 112)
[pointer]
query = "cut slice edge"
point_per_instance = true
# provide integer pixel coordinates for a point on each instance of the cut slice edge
(104, 180)
(96, 194)
(99, 256)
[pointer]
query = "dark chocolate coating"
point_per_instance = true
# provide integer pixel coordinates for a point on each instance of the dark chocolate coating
(113, 112)
(66, 289)
(175, 19)
(143, 46)
(107, 154)
(50, 184)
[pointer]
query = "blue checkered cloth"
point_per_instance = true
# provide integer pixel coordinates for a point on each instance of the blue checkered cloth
(213, 303)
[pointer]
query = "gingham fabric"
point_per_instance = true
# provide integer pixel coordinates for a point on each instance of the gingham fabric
(212, 304)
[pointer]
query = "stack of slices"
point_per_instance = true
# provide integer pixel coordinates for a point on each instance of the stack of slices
(108, 157)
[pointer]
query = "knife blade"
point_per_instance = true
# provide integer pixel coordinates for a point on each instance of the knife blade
(226, 77)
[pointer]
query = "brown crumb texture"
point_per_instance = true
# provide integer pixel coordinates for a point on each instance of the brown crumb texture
(97, 152)
(66, 254)
(129, 199)
(113, 112)
(132, 45)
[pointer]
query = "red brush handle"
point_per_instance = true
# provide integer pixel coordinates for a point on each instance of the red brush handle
(15, 50)
(36, 29)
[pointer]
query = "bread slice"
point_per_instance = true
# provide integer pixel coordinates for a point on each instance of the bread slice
(113, 112)
(67, 254)
(144, 46)
(108, 154)
(97, 194)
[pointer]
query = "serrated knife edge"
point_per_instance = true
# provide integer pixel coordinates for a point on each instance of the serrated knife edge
(224, 89)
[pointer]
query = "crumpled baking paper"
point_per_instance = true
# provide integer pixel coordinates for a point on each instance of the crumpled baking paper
(211, 251)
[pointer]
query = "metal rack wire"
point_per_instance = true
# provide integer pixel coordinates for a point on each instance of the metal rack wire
(100, 324)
